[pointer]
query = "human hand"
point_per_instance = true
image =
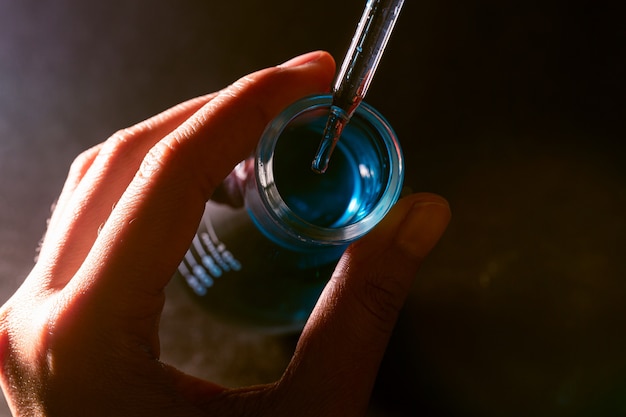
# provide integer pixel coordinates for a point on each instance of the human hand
(80, 336)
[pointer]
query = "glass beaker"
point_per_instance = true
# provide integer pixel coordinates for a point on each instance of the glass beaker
(265, 264)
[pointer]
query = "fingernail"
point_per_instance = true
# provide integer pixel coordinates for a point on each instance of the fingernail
(422, 228)
(301, 59)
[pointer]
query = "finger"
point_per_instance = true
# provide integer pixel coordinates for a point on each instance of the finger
(151, 227)
(154, 129)
(76, 173)
(98, 179)
(337, 357)
(193, 389)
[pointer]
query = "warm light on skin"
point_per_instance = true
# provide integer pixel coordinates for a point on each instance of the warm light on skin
(81, 335)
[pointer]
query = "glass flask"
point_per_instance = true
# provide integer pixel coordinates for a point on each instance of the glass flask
(264, 265)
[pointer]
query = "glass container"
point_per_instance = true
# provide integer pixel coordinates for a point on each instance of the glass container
(264, 265)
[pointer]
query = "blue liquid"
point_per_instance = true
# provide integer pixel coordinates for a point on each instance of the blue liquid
(345, 192)
(325, 200)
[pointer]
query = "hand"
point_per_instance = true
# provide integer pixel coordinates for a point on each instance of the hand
(80, 336)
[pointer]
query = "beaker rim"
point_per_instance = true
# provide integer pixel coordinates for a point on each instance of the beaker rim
(293, 225)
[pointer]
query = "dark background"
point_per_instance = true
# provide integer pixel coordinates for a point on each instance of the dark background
(513, 110)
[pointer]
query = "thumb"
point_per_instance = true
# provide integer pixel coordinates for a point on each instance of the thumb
(340, 350)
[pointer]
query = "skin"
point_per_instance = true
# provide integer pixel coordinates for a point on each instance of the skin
(80, 336)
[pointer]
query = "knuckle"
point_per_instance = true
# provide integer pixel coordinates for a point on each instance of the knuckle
(83, 161)
(382, 295)
(118, 142)
(124, 147)
(155, 160)
(249, 93)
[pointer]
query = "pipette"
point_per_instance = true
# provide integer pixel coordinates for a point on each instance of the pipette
(356, 73)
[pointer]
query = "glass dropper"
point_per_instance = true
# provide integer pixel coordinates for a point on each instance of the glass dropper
(356, 73)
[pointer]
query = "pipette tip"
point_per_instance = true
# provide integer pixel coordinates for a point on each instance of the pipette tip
(322, 157)
(337, 119)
